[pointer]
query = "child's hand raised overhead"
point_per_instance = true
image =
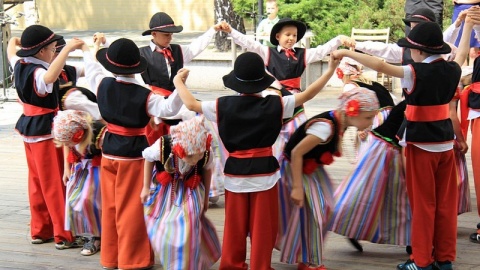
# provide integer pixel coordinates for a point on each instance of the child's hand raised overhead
(182, 75)
(74, 44)
(333, 62)
(226, 27)
(99, 38)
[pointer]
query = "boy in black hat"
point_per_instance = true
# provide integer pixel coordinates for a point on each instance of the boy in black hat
(36, 83)
(126, 106)
(248, 126)
(392, 53)
(165, 59)
(427, 132)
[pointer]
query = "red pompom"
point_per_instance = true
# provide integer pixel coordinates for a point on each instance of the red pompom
(164, 178)
(96, 160)
(309, 166)
(179, 151)
(339, 73)
(326, 158)
(72, 157)
(192, 182)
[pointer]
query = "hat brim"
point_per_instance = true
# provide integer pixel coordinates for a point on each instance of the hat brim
(410, 20)
(31, 52)
(170, 29)
(444, 49)
(247, 87)
(301, 29)
(102, 59)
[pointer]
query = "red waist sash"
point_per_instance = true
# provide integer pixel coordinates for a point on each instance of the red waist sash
(427, 113)
(124, 131)
(252, 153)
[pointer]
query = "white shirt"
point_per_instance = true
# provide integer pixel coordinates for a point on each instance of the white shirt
(321, 130)
(311, 55)
(252, 183)
(408, 82)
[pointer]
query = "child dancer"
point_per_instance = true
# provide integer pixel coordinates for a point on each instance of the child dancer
(75, 131)
(313, 145)
(175, 212)
(248, 125)
(126, 106)
(35, 80)
(430, 85)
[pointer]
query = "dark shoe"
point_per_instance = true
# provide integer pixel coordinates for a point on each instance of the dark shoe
(37, 241)
(447, 265)
(408, 249)
(410, 265)
(475, 238)
(356, 244)
(91, 246)
(78, 242)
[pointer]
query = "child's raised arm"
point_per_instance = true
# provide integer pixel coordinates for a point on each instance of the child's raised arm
(188, 99)
(472, 18)
(12, 47)
(371, 62)
(57, 65)
(314, 88)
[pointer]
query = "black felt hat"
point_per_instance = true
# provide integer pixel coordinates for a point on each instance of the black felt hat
(427, 37)
(60, 44)
(162, 22)
(420, 15)
(34, 38)
(301, 29)
(248, 75)
(122, 57)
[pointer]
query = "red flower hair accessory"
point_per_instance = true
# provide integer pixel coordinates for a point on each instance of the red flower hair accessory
(352, 108)
(70, 126)
(339, 73)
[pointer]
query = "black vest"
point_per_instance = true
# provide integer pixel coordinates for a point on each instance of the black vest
(38, 125)
(157, 71)
(284, 68)
(123, 104)
(330, 146)
(406, 57)
(389, 128)
(435, 84)
(249, 122)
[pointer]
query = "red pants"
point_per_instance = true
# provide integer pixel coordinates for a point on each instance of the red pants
(475, 152)
(46, 191)
(432, 191)
(125, 242)
(254, 214)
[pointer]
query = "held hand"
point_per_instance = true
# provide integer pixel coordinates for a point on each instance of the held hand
(66, 176)
(16, 41)
(338, 54)
(226, 27)
(347, 41)
(73, 44)
(333, 62)
(99, 38)
(182, 74)
(462, 147)
(297, 196)
(362, 135)
(217, 27)
(145, 194)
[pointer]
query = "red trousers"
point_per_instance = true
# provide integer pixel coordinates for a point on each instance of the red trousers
(254, 214)
(125, 242)
(475, 152)
(46, 191)
(432, 191)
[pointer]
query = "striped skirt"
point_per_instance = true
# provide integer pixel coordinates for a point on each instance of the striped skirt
(464, 200)
(219, 154)
(83, 208)
(372, 202)
(303, 230)
(179, 233)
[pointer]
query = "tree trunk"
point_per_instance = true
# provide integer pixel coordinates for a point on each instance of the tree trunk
(224, 12)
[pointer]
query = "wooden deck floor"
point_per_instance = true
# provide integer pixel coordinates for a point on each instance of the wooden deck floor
(16, 252)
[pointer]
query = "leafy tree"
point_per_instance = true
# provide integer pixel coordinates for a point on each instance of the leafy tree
(328, 19)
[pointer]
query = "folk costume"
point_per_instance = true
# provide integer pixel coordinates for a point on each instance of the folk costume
(45, 162)
(179, 232)
(127, 107)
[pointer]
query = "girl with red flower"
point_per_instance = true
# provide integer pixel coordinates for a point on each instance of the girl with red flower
(177, 200)
(313, 145)
(81, 139)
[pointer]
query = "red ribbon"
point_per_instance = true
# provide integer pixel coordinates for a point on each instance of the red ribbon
(167, 53)
(290, 53)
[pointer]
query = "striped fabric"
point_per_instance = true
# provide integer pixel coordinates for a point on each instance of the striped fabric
(219, 154)
(372, 203)
(179, 233)
(285, 134)
(464, 200)
(83, 207)
(304, 229)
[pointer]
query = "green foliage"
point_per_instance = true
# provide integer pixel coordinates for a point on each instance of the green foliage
(328, 19)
